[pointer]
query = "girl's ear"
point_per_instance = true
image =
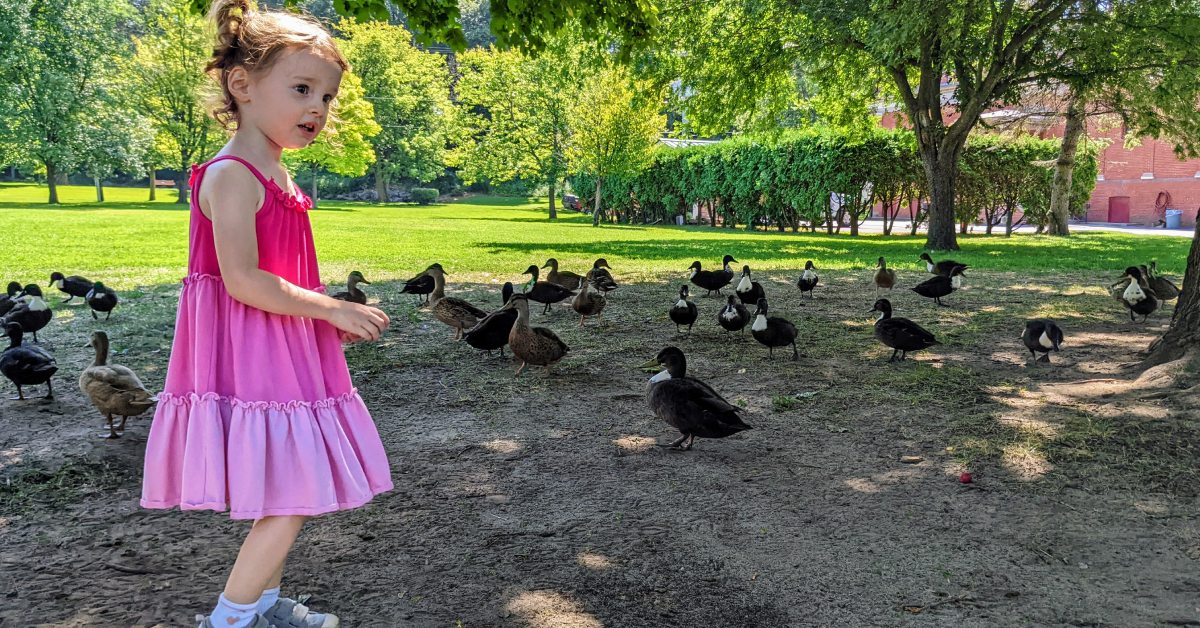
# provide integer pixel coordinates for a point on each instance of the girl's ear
(237, 80)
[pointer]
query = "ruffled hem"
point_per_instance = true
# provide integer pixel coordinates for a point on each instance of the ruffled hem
(263, 458)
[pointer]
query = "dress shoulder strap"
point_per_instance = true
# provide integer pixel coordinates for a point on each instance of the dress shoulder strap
(249, 166)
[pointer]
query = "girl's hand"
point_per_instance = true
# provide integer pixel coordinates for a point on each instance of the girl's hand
(360, 321)
(347, 338)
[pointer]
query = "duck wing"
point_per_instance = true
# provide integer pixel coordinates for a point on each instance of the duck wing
(551, 337)
(421, 284)
(693, 407)
(938, 286)
(462, 307)
(904, 333)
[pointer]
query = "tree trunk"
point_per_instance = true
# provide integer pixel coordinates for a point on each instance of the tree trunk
(1184, 333)
(313, 195)
(153, 189)
(1008, 226)
(99, 189)
(52, 181)
(596, 208)
(181, 185)
(712, 213)
(1060, 191)
(553, 211)
(941, 170)
(381, 192)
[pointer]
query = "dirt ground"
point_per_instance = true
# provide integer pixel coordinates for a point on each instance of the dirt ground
(543, 501)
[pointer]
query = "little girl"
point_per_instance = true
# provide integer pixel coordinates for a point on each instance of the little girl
(258, 414)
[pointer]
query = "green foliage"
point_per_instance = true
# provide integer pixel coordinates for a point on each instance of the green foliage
(57, 73)
(424, 196)
(344, 147)
(409, 91)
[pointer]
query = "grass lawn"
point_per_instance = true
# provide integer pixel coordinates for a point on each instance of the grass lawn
(129, 242)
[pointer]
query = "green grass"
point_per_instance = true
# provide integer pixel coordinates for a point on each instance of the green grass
(129, 242)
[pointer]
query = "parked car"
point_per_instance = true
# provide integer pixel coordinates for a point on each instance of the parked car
(570, 201)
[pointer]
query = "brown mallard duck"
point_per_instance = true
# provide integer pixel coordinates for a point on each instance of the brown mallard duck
(352, 293)
(568, 280)
(533, 345)
(544, 292)
(588, 303)
(113, 389)
(454, 312)
(602, 279)
(884, 276)
(1164, 288)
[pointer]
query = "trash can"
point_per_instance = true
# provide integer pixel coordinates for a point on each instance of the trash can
(679, 220)
(1174, 218)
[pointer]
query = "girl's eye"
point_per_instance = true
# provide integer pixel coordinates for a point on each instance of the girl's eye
(303, 89)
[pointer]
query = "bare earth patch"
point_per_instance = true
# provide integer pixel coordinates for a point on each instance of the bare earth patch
(544, 501)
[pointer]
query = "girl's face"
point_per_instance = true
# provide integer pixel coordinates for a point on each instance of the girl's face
(289, 103)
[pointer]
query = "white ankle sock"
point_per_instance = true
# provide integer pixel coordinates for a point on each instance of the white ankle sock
(267, 600)
(233, 615)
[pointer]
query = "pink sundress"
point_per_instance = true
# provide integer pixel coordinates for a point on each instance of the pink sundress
(258, 414)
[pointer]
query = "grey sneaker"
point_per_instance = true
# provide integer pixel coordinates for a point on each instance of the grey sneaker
(288, 613)
(206, 622)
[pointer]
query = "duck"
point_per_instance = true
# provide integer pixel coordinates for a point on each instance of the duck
(884, 277)
(533, 345)
(114, 390)
(773, 331)
(421, 285)
(602, 279)
(568, 280)
(588, 303)
(352, 293)
(1138, 297)
(684, 312)
(74, 286)
(899, 333)
(1041, 335)
(734, 316)
(492, 331)
(8, 300)
(748, 290)
(101, 298)
(1163, 288)
(688, 404)
(808, 279)
(712, 280)
(26, 365)
(941, 285)
(943, 268)
(544, 292)
(457, 313)
(31, 311)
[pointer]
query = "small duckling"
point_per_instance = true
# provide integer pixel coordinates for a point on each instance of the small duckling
(773, 331)
(101, 298)
(1041, 336)
(688, 404)
(352, 293)
(885, 278)
(734, 316)
(26, 365)
(808, 279)
(684, 311)
(112, 388)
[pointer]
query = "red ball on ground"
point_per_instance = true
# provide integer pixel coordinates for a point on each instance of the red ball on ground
(964, 477)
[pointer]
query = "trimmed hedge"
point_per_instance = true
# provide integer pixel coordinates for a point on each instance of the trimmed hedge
(424, 196)
(787, 182)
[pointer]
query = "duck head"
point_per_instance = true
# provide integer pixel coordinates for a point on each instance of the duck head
(355, 276)
(99, 342)
(884, 306)
(56, 279)
(14, 332)
(671, 359)
(746, 270)
(13, 289)
(809, 265)
(551, 264)
(601, 263)
(32, 290)
(683, 296)
(881, 263)
(520, 303)
(695, 268)
(96, 287)
(506, 292)
(435, 269)
(956, 275)
(725, 261)
(760, 316)
(926, 258)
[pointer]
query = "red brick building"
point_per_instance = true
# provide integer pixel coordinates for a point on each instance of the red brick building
(1136, 185)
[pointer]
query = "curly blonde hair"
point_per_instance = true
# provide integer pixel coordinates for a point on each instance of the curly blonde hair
(254, 39)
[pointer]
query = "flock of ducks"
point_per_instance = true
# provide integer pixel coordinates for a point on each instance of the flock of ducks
(690, 405)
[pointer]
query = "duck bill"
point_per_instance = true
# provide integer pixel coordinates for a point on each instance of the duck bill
(364, 281)
(651, 365)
